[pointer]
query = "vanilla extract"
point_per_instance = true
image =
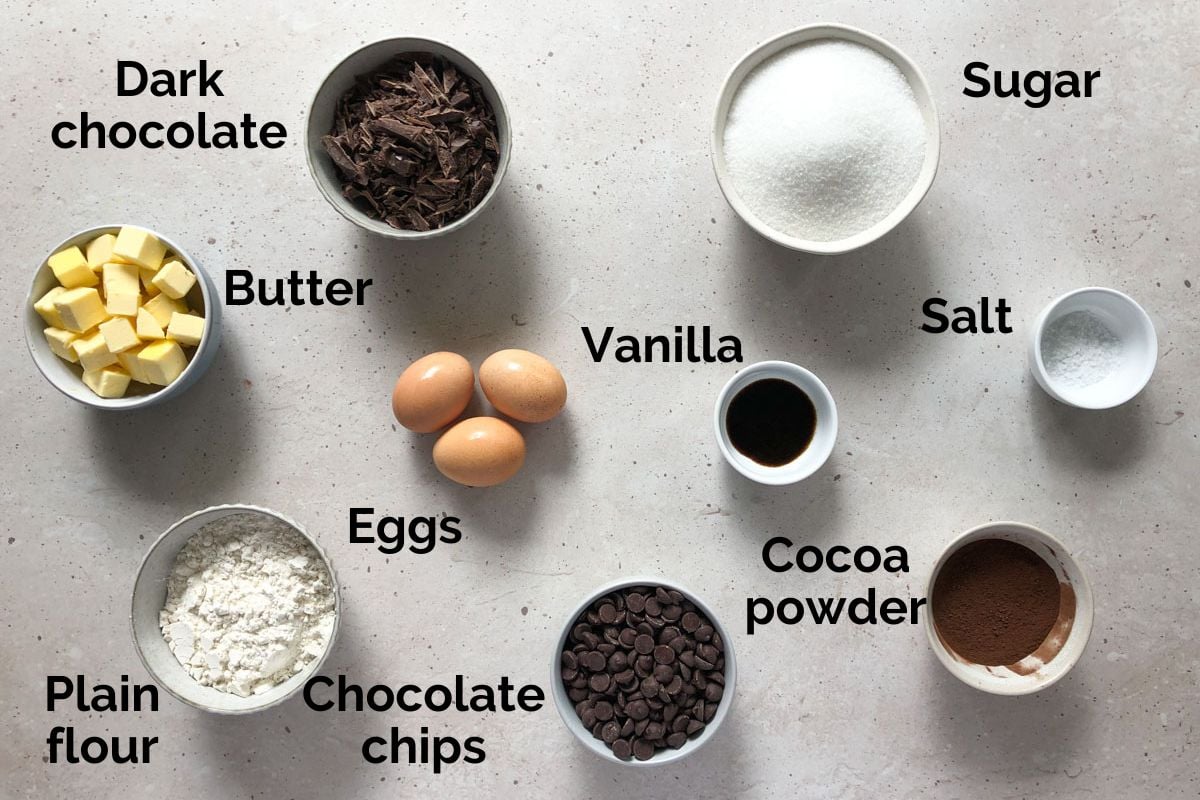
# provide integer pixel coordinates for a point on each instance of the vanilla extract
(771, 421)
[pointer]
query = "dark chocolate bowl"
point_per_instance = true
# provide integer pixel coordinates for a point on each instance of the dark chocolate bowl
(567, 707)
(341, 78)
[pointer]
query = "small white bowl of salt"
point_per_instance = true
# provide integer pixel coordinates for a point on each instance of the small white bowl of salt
(1093, 348)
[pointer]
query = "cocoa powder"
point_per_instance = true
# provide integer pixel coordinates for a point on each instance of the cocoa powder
(994, 601)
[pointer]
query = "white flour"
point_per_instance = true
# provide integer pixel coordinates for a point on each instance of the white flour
(249, 604)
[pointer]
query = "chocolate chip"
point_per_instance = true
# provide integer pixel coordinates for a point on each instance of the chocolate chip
(644, 669)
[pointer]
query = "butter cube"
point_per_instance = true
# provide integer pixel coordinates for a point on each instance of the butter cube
(148, 281)
(162, 361)
(107, 382)
(60, 343)
(187, 329)
(136, 246)
(99, 251)
(119, 334)
(71, 268)
(93, 352)
(174, 279)
(45, 307)
(162, 307)
(122, 292)
(80, 309)
(129, 361)
(148, 327)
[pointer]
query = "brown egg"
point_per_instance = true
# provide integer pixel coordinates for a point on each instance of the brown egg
(523, 385)
(480, 451)
(432, 392)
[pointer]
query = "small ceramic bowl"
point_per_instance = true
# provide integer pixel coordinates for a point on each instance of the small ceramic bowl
(68, 378)
(341, 78)
(1063, 645)
(789, 39)
(566, 709)
(1127, 320)
(150, 592)
(817, 452)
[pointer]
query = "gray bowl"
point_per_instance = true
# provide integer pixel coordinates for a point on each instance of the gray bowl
(341, 78)
(68, 378)
(150, 592)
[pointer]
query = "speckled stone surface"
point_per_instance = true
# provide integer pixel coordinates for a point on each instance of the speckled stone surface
(610, 215)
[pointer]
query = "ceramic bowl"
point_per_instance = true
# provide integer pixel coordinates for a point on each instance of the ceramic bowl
(150, 593)
(566, 709)
(68, 378)
(1127, 320)
(789, 39)
(1063, 645)
(341, 78)
(817, 452)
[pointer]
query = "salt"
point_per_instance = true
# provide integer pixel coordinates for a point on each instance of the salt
(824, 140)
(1079, 350)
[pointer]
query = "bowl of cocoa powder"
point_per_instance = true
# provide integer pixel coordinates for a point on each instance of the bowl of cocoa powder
(1010, 611)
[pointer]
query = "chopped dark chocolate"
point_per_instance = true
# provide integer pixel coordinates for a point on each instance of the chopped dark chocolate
(416, 143)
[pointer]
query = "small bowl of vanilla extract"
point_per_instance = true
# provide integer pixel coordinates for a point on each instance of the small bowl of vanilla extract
(776, 422)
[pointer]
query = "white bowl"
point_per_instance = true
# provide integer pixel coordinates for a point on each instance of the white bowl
(1064, 644)
(341, 78)
(818, 450)
(1127, 320)
(782, 42)
(150, 592)
(68, 378)
(566, 709)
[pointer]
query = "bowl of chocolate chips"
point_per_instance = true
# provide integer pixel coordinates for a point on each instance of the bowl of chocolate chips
(408, 138)
(643, 672)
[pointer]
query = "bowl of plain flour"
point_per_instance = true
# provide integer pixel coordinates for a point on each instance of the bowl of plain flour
(234, 608)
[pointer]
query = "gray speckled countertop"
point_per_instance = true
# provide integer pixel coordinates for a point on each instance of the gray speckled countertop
(610, 215)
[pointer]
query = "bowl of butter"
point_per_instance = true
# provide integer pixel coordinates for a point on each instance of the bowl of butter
(121, 317)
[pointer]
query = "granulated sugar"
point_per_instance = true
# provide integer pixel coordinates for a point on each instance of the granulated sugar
(824, 139)
(1079, 350)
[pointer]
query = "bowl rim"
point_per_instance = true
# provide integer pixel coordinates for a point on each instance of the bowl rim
(1081, 627)
(208, 340)
(378, 227)
(243, 508)
(566, 709)
(1038, 366)
(801, 377)
(795, 36)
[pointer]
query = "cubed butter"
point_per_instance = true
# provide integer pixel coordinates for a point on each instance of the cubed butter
(93, 352)
(162, 307)
(60, 343)
(136, 246)
(71, 268)
(107, 382)
(162, 361)
(80, 309)
(45, 307)
(187, 329)
(148, 327)
(122, 291)
(174, 279)
(119, 334)
(129, 360)
(148, 281)
(99, 251)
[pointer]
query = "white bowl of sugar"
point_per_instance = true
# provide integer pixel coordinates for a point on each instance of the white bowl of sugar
(1093, 348)
(825, 138)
